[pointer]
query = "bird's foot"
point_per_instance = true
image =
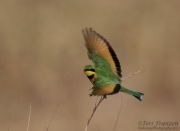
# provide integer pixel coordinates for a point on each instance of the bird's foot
(104, 96)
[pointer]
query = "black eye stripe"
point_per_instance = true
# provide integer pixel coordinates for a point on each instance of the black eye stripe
(92, 70)
(89, 70)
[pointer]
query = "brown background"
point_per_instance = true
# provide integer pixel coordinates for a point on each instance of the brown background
(42, 56)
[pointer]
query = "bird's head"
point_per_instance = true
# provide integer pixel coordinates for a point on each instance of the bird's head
(89, 70)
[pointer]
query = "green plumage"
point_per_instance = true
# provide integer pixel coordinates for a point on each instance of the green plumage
(104, 78)
(105, 75)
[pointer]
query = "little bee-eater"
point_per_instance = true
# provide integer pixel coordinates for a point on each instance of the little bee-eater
(105, 75)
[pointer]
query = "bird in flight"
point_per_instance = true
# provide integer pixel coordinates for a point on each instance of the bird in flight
(105, 75)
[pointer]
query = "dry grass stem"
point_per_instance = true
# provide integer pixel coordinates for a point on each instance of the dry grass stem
(134, 74)
(47, 127)
(29, 117)
(117, 119)
(94, 109)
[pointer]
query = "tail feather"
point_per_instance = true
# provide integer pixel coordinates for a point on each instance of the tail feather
(137, 95)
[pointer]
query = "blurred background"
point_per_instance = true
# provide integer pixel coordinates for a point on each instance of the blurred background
(42, 56)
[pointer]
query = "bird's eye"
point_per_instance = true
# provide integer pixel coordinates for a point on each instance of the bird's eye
(91, 69)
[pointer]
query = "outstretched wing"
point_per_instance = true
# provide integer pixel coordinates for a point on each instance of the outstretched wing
(101, 53)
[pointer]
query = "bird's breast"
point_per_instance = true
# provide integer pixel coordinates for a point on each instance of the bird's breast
(108, 90)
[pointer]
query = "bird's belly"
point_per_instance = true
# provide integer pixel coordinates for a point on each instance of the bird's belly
(109, 89)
